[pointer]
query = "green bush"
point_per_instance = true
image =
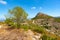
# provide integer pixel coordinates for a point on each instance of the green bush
(45, 37)
(36, 28)
(10, 23)
(25, 27)
(33, 27)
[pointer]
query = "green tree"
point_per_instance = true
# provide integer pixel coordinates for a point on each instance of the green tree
(17, 15)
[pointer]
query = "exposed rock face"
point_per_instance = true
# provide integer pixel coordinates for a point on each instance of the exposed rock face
(20, 34)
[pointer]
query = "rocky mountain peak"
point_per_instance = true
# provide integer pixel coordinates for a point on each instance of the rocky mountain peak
(41, 15)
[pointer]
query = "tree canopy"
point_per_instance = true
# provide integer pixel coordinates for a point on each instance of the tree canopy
(17, 15)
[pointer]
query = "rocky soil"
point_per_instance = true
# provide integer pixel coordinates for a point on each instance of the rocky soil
(18, 34)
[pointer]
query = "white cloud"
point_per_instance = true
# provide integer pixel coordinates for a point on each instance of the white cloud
(3, 2)
(33, 8)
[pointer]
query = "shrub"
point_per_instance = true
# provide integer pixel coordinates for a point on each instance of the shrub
(25, 27)
(36, 28)
(45, 37)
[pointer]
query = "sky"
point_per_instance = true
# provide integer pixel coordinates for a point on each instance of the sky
(32, 7)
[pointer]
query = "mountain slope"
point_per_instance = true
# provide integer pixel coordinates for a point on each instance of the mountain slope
(48, 22)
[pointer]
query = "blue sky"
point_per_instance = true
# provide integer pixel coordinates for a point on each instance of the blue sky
(32, 7)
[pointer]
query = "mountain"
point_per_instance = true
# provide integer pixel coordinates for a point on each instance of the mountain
(49, 22)
(42, 16)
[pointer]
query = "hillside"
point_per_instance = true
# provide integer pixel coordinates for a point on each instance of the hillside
(49, 22)
(31, 32)
(34, 32)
